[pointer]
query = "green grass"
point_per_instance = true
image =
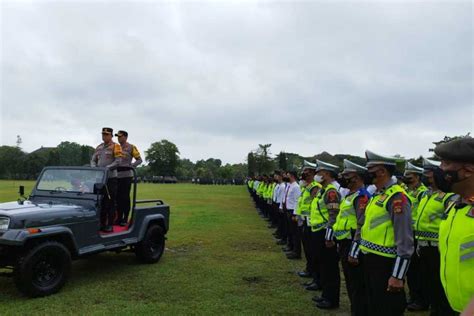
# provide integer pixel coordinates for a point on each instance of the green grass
(220, 259)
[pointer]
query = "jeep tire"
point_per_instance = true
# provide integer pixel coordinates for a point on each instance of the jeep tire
(151, 248)
(43, 269)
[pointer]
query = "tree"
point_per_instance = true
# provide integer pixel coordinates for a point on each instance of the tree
(163, 158)
(70, 154)
(251, 164)
(282, 161)
(264, 163)
(10, 161)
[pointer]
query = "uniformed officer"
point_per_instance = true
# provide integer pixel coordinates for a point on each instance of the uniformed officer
(431, 210)
(292, 194)
(386, 239)
(456, 233)
(303, 211)
(327, 205)
(351, 214)
(108, 155)
(129, 152)
(418, 299)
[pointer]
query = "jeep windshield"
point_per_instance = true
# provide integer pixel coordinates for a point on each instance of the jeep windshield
(70, 180)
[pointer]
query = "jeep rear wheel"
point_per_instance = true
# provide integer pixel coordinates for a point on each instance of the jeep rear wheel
(151, 248)
(43, 269)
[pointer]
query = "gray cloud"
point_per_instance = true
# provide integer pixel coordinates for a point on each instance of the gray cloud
(219, 78)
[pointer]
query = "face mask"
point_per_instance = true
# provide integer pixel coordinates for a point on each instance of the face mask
(369, 178)
(318, 178)
(444, 180)
(343, 182)
(286, 179)
(408, 180)
(425, 180)
(302, 183)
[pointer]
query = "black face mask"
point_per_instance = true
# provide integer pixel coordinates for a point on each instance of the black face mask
(408, 180)
(444, 180)
(369, 178)
(343, 182)
(425, 180)
(286, 179)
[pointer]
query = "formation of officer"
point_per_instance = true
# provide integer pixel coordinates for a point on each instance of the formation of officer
(112, 156)
(386, 231)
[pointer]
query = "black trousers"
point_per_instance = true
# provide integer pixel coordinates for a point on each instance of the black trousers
(315, 257)
(431, 282)
(354, 278)
(377, 271)
(290, 229)
(298, 234)
(328, 268)
(107, 213)
(123, 198)
(283, 225)
(306, 241)
(415, 290)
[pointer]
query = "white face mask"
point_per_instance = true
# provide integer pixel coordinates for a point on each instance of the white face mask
(302, 183)
(318, 178)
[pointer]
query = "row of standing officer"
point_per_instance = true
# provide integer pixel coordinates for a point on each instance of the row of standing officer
(380, 229)
(111, 155)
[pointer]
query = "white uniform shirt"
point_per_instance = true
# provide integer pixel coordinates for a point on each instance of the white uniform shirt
(292, 196)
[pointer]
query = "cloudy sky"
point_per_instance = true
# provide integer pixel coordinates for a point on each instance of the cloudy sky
(218, 78)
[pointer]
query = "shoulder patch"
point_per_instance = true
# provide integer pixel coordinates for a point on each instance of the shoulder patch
(332, 197)
(362, 203)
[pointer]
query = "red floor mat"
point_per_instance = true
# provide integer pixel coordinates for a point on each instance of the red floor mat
(117, 229)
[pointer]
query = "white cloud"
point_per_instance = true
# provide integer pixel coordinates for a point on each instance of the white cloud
(220, 78)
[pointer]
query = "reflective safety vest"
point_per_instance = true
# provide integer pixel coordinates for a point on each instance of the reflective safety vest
(415, 197)
(456, 246)
(430, 212)
(346, 219)
(377, 235)
(250, 184)
(305, 199)
(261, 188)
(319, 212)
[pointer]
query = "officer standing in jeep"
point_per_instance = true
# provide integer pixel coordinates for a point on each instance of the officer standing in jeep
(124, 178)
(108, 155)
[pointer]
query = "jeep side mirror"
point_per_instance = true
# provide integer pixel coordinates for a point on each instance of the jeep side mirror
(21, 190)
(99, 188)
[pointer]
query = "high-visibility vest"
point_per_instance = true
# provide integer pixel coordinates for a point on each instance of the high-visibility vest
(377, 235)
(319, 211)
(430, 212)
(456, 246)
(415, 197)
(304, 202)
(346, 219)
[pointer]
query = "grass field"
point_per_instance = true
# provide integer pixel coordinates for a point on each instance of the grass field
(220, 259)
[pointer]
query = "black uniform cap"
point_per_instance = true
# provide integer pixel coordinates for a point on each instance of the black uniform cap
(120, 133)
(107, 130)
(459, 150)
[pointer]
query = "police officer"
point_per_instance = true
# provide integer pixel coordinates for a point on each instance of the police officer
(431, 210)
(108, 155)
(418, 299)
(386, 239)
(328, 203)
(350, 214)
(309, 171)
(129, 153)
(456, 233)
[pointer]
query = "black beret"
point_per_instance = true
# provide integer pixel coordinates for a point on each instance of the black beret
(460, 150)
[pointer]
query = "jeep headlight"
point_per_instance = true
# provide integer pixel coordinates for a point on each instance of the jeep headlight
(4, 223)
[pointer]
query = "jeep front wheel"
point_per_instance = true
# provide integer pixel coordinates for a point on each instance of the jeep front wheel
(43, 269)
(151, 248)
